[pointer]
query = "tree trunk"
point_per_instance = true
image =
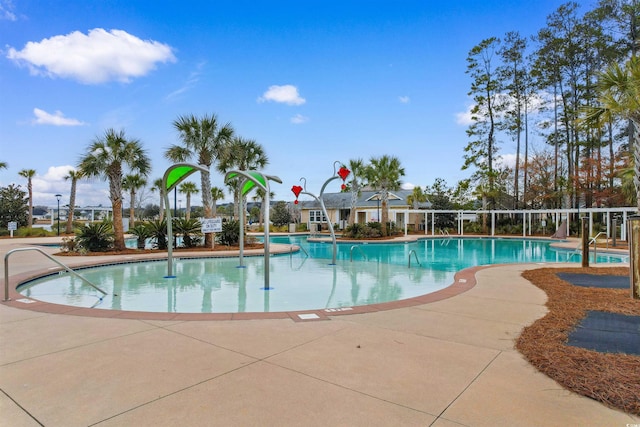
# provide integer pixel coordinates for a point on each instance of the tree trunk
(636, 157)
(72, 206)
(118, 231)
(385, 211)
(132, 210)
(115, 195)
(30, 188)
(207, 205)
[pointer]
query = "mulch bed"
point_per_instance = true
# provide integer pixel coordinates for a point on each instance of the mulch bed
(610, 378)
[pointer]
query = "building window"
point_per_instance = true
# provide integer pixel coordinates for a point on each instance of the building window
(317, 216)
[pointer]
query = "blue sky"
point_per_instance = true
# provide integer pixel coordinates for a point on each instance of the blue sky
(314, 82)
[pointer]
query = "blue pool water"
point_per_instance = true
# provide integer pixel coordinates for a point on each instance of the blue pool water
(363, 274)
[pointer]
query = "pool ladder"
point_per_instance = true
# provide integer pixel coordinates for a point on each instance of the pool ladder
(68, 269)
(291, 257)
(360, 249)
(415, 255)
(594, 241)
(299, 247)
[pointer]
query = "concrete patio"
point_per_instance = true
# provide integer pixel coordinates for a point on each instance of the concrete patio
(445, 363)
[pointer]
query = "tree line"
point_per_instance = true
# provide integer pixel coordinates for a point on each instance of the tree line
(554, 85)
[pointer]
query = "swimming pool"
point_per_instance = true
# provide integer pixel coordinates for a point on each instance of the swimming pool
(364, 274)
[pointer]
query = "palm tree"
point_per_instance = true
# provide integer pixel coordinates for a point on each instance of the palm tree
(29, 174)
(105, 159)
(133, 183)
(4, 165)
(74, 176)
(217, 193)
(188, 188)
(414, 199)
(157, 186)
(383, 174)
(203, 140)
(242, 154)
(619, 94)
(357, 168)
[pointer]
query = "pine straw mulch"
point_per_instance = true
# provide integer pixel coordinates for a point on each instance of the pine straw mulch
(610, 378)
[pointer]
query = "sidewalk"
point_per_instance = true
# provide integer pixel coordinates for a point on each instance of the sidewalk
(446, 363)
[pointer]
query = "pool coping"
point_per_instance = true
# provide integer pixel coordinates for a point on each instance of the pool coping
(463, 281)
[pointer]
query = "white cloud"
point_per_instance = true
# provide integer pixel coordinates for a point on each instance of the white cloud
(6, 11)
(286, 94)
(191, 82)
(97, 57)
(55, 119)
(464, 118)
(407, 186)
(57, 173)
(404, 99)
(46, 186)
(89, 192)
(508, 160)
(299, 119)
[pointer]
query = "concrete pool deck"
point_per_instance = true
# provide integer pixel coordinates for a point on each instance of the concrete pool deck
(445, 363)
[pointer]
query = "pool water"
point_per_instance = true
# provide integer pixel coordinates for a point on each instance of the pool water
(363, 274)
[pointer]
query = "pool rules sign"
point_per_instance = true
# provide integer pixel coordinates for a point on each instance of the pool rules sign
(211, 225)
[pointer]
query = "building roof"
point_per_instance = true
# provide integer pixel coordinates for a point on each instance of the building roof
(366, 199)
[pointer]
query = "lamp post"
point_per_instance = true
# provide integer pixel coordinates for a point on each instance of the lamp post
(58, 197)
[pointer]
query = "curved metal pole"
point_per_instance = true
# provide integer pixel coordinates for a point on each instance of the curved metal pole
(68, 269)
(267, 202)
(264, 186)
(241, 218)
(320, 200)
(165, 193)
(169, 235)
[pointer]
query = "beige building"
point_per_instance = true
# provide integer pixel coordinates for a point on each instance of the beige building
(368, 209)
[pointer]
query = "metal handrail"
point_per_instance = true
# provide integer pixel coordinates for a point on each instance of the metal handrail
(299, 247)
(360, 249)
(594, 240)
(415, 255)
(68, 269)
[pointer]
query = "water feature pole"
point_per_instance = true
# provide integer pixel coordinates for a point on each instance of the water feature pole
(251, 179)
(342, 173)
(173, 176)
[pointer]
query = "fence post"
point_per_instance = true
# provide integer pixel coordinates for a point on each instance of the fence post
(585, 242)
(633, 237)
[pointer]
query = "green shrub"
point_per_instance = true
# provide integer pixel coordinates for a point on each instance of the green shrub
(370, 230)
(69, 244)
(33, 232)
(142, 233)
(190, 229)
(158, 231)
(230, 234)
(96, 237)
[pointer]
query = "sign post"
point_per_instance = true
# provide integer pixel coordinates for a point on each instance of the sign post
(12, 225)
(211, 225)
